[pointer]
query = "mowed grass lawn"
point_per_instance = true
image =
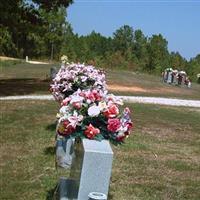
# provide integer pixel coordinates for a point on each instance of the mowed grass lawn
(19, 78)
(160, 160)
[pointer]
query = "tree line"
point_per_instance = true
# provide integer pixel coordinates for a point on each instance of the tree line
(39, 29)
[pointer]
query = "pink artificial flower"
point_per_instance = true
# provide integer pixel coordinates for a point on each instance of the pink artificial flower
(113, 124)
(97, 95)
(77, 105)
(112, 111)
(90, 96)
(75, 119)
(91, 131)
(127, 110)
(65, 101)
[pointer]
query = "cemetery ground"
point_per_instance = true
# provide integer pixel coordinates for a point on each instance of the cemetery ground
(20, 78)
(160, 159)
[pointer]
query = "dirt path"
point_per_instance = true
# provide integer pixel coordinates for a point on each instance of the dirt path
(30, 61)
(129, 99)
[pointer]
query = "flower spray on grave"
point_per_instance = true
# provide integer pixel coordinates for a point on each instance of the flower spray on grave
(74, 76)
(87, 110)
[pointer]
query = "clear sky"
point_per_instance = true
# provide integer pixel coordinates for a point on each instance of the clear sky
(178, 21)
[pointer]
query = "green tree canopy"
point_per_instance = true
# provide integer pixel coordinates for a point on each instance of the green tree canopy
(158, 53)
(123, 39)
(22, 21)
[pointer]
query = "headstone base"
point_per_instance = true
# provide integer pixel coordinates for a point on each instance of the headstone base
(66, 190)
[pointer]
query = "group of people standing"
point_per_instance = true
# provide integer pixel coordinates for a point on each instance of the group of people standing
(176, 77)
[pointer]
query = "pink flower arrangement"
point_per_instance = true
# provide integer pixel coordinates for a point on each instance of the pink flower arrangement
(72, 77)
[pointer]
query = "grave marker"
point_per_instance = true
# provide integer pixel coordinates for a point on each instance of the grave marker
(90, 171)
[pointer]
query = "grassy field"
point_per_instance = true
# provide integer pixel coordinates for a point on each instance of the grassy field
(160, 160)
(18, 78)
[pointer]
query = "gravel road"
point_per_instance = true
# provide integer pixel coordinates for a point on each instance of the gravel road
(130, 99)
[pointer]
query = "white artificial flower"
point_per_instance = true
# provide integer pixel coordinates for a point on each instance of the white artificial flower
(64, 110)
(113, 99)
(76, 98)
(63, 118)
(88, 101)
(102, 105)
(122, 130)
(93, 111)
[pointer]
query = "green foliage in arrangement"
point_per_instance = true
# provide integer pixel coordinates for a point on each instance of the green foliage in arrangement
(39, 29)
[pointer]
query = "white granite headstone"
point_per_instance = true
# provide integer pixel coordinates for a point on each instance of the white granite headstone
(90, 170)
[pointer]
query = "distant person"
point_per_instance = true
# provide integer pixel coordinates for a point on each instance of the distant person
(172, 79)
(179, 79)
(165, 76)
(175, 78)
(188, 82)
(183, 78)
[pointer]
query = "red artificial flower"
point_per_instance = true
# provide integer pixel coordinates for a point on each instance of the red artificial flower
(113, 124)
(127, 133)
(65, 128)
(77, 105)
(121, 138)
(112, 111)
(91, 131)
(129, 125)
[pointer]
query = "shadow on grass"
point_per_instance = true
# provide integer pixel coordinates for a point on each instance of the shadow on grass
(25, 86)
(110, 196)
(52, 194)
(50, 150)
(51, 127)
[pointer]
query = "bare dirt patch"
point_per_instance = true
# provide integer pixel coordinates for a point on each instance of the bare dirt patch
(122, 88)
